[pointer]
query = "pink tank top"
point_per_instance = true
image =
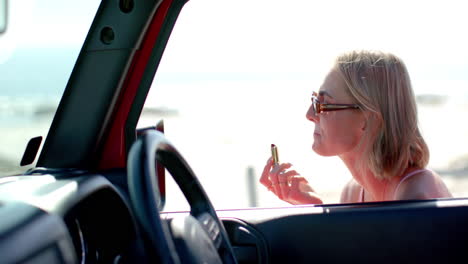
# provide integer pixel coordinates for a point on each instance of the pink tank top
(398, 186)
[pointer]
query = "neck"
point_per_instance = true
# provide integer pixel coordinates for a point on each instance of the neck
(373, 186)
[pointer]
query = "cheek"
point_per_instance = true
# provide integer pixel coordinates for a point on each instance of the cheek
(342, 132)
(332, 125)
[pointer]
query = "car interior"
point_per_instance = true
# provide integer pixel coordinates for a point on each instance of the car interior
(98, 191)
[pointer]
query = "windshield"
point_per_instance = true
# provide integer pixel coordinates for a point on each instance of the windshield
(38, 52)
(238, 78)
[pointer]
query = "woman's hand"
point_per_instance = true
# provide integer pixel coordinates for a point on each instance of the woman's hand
(288, 185)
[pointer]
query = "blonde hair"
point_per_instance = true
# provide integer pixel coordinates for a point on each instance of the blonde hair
(380, 83)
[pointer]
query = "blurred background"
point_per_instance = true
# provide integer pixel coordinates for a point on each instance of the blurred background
(237, 76)
(38, 50)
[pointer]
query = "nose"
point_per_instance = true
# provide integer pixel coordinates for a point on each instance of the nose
(310, 115)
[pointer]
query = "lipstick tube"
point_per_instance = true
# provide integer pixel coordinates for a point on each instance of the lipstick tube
(274, 154)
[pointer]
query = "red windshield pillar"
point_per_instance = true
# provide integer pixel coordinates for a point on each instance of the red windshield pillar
(114, 154)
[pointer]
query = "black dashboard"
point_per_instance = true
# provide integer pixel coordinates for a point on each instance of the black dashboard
(55, 219)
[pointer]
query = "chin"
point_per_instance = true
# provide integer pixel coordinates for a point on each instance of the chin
(317, 149)
(320, 150)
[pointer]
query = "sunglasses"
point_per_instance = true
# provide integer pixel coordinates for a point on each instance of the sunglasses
(323, 107)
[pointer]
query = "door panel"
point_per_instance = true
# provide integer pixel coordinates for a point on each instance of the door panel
(394, 232)
(249, 244)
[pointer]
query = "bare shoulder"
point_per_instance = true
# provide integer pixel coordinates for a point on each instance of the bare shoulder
(426, 184)
(351, 191)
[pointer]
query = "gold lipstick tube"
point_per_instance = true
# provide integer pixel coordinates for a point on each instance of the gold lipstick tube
(274, 154)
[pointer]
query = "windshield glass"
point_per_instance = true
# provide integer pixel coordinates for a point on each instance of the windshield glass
(38, 51)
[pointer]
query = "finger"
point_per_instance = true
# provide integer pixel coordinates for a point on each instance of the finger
(270, 188)
(285, 189)
(295, 181)
(265, 178)
(286, 176)
(276, 184)
(277, 190)
(280, 167)
(294, 174)
(301, 184)
(293, 190)
(277, 169)
(270, 177)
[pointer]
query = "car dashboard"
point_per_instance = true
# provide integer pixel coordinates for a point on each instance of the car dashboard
(57, 219)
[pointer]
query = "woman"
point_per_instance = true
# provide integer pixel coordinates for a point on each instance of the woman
(365, 113)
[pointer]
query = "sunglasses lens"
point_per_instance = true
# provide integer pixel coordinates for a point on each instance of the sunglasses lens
(316, 105)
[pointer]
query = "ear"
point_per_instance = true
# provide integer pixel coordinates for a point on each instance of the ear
(364, 124)
(370, 120)
(366, 117)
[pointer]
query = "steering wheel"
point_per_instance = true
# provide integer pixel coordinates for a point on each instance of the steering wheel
(199, 237)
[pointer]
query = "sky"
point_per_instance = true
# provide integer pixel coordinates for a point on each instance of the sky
(267, 35)
(313, 31)
(46, 23)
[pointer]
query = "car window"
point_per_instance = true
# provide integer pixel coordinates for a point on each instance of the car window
(38, 52)
(237, 76)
